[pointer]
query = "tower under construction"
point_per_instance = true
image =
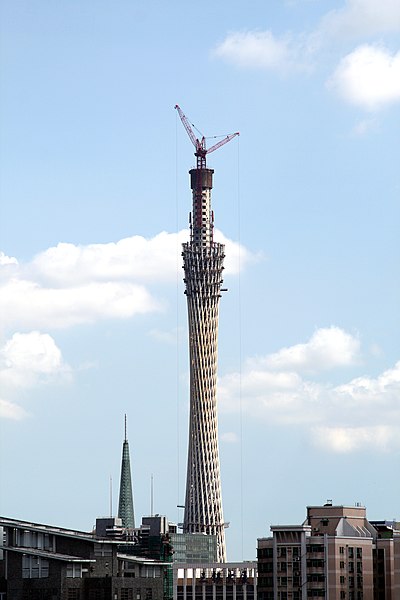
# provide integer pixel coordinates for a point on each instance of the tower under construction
(203, 266)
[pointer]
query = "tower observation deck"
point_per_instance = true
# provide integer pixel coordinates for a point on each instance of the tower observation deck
(203, 265)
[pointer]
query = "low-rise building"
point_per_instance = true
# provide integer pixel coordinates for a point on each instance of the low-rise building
(215, 581)
(42, 562)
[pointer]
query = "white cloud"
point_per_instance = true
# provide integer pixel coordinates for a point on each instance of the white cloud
(32, 304)
(130, 259)
(327, 348)
(357, 415)
(10, 410)
(26, 361)
(7, 260)
(68, 285)
(349, 439)
(368, 77)
(30, 358)
(260, 50)
(361, 18)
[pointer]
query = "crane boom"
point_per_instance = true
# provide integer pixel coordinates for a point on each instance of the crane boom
(226, 139)
(200, 145)
(188, 127)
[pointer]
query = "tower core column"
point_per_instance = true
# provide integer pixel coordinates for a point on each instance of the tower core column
(203, 266)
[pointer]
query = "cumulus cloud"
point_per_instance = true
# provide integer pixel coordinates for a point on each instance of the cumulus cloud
(67, 284)
(28, 360)
(10, 410)
(361, 18)
(260, 50)
(368, 77)
(349, 439)
(359, 414)
(327, 348)
(33, 304)
(7, 260)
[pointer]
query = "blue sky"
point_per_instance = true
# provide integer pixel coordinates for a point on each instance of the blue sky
(94, 206)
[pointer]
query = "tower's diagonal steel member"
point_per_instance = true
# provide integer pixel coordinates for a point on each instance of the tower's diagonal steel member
(203, 266)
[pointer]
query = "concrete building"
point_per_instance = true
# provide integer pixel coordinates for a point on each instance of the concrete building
(203, 265)
(216, 581)
(43, 562)
(336, 553)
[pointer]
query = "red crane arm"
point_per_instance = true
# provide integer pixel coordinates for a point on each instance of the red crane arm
(226, 139)
(188, 128)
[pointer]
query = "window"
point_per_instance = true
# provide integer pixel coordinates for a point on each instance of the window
(351, 552)
(73, 594)
(343, 594)
(341, 549)
(33, 539)
(34, 567)
(74, 570)
(342, 564)
(342, 580)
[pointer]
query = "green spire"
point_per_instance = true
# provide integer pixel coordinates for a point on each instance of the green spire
(125, 507)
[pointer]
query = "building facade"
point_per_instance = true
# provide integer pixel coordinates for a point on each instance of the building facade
(215, 581)
(336, 553)
(42, 562)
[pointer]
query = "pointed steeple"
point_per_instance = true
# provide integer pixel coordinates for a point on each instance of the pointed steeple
(125, 507)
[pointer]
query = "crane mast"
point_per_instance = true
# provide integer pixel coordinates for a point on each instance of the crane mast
(201, 180)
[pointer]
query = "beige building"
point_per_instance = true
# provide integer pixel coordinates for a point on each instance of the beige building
(335, 554)
(215, 581)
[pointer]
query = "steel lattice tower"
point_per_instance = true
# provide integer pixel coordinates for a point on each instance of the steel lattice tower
(203, 266)
(125, 506)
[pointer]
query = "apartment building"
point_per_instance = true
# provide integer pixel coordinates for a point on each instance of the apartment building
(336, 554)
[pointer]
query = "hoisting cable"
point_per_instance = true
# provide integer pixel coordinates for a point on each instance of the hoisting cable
(178, 467)
(240, 345)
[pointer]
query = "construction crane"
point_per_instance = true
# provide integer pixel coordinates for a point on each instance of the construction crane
(200, 145)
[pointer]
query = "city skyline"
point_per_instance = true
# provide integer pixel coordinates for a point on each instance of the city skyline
(94, 203)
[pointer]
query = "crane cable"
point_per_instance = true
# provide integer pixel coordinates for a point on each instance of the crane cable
(179, 501)
(240, 346)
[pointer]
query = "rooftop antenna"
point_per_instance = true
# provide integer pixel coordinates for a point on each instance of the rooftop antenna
(151, 495)
(126, 438)
(111, 509)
